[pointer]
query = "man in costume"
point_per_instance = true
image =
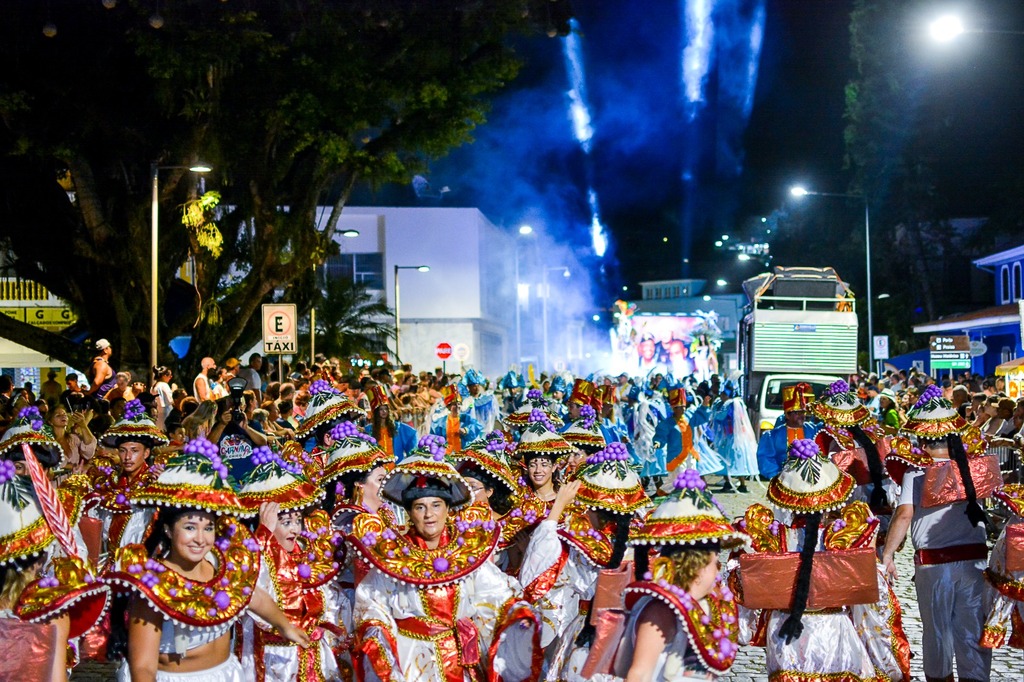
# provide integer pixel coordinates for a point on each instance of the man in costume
(774, 444)
(481, 402)
(434, 607)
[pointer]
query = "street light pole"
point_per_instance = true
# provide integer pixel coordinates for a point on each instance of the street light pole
(524, 230)
(802, 192)
(154, 249)
(544, 314)
(398, 317)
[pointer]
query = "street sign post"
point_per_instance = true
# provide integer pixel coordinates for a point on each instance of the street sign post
(950, 352)
(461, 351)
(443, 350)
(881, 347)
(279, 328)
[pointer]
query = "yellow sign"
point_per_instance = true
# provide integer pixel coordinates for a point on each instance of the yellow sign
(51, 319)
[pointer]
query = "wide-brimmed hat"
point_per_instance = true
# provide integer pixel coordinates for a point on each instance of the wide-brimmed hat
(608, 482)
(73, 589)
(838, 406)
(534, 401)
(489, 454)
(135, 425)
(326, 404)
(193, 478)
(427, 468)
(24, 531)
(352, 450)
(274, 480)
(689, 515)
(29, 428)
(809, 482)
(539, 440)
(584, 433)
(933, 417)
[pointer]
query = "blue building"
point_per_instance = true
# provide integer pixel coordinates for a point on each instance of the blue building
(995, 330)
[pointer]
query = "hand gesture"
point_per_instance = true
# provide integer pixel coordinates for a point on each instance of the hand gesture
(268, 517)
(296, 636)
(890, 569)
(565, 495)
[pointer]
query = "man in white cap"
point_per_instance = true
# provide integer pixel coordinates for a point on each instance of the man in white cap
(101, 375)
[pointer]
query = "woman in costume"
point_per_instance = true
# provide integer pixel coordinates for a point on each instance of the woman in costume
(811, 495)
(539, 450)
(1005, 621)
(535, 400)
(682, 619)
(397, 439)
(458, 428)
(327, 407)
(297, 545)
(734, 438)
(434, 606)
(193, 579)
(562, 561)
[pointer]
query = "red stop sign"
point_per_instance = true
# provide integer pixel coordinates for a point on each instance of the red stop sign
(443, 350)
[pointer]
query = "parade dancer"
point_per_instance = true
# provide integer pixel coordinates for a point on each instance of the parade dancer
(193, 579)
(481, 402)
(541, 451)
(456, 427)
(947, 526)
(433, 606)
(562, 562)
(327, 406)
(801, 643)
(774, 444)
(733, 438)
(297, 545)
(1005, 572)
(395, 438)
(682, 620)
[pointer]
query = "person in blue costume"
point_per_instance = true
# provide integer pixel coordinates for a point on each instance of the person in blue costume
(733, 438)
(774, 444)
(456, 427)
(395, 438)
(556, 395)
(650, 411)
(481, 403)
(512, 387)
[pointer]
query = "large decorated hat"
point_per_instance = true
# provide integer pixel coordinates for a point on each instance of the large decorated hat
(474, 378)
(24, 531)
(193, 478)
(426, 473)
(1011, 496)
(378, 396)
(73, 589)
(582, 392)
(584, 433)
(29, 429)
(353, 450)
(933, 417)
(489, 454)
(795, 397)
(534, 401)
(326, 404)
(559, 385)
(135, 425)
(690, 515)
(274, 480)
(608, 482)
(539, 439)
(809, 482)
(451, 395)
(838, 406)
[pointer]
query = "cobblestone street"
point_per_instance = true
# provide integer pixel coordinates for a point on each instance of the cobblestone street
(1007, 664)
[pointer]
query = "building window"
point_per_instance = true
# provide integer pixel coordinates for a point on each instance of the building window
(362, 268)
(1004, 281)
(1017, 284)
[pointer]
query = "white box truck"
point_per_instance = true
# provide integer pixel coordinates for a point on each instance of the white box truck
(799, 325)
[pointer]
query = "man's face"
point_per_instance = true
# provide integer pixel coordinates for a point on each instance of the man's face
(795, 418)
(133, 456)
(475, 389)
(256, 363)
(647, 349)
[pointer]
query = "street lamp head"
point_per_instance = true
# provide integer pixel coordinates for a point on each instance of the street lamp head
(718, 242)
(706, 298)
(798, 191)
(566, 273)
(423, 268)
(743, 256)
(200, 168)
(525, 229)
(350, 233)
(721, 282)
(946, 28)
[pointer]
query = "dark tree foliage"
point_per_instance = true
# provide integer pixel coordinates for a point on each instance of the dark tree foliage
(292, 102)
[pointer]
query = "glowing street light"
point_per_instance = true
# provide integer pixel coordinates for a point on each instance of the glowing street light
(417, 268)
(350, 233)
(946, 28)
(721, 282)
(525, 229)
(798, 191)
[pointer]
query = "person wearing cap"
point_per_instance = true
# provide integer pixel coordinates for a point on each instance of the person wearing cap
(948, 532)
(297, 544)
(774, 444)
(100, 374)
(813, 518)
(434, 606)
(682, 619)
(587, 530)
(456, 427)
(889, 411)
(193, 579)
(395, 438)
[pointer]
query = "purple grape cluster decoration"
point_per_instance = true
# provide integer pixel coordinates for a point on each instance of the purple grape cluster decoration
(321, 386)
(7, 471)
(134, 409)
(588, 415)
(264, 455)
(929, 394)
(804, 448)
(539, 416)
(204, 448)
(345, 429)
(32, 415)
(614, 452)
(534, 394)
(690, 479)
(434, 445)
(495, 442)
(836, 388)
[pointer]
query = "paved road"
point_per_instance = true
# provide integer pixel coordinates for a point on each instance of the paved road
(1007, 664)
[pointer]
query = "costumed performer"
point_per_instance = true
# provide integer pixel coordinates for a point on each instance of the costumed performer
(682, 619)
(540, 450)
(938, 506)
(434, 606)
(534, 400)
(1005, 622)
(327, 407)
(297, 545)
(396, 439)
(774, 444)
(456, 427)
(585, 435)
(562, 562)
(733, 438)
(802, 643)
(195, 576)
(481, 402)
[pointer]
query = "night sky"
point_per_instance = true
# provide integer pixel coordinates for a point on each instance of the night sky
(526, 166)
